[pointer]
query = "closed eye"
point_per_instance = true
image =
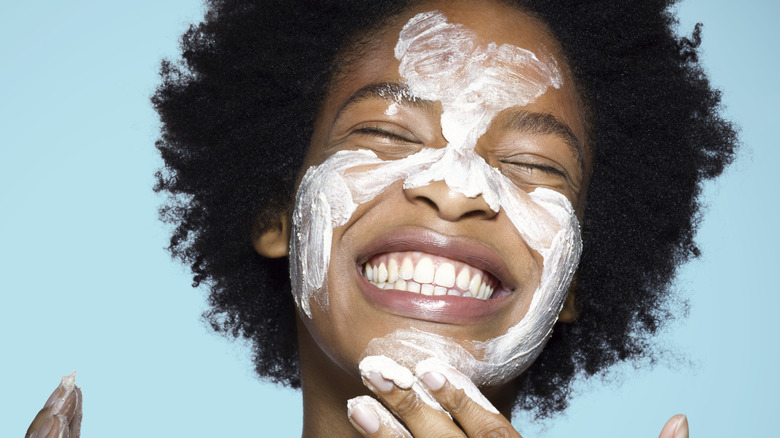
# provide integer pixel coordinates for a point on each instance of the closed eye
(376, 132)
(540, 167)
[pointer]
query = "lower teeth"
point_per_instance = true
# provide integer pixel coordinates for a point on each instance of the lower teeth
(484, 293)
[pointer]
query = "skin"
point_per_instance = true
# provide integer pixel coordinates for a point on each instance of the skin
(61, 414)
(333, 341)
(351, 321)
(331, 344)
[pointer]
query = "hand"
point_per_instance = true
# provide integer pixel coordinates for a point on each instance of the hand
(676, 427)
(61, 415)
(454, 398)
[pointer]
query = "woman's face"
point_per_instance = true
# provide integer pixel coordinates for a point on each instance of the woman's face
(449, 156)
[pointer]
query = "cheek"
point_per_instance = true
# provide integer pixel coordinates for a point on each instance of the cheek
(322, 201)
(328, 196)
(333, 328)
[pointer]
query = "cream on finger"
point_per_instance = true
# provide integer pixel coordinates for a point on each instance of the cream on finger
(400, 376)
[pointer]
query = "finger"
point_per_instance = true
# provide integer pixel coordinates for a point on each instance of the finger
(676, 427)
(403, 394)
(61, 414)
(372, 419)
(75, 423)
(51, 427)
(463, 400)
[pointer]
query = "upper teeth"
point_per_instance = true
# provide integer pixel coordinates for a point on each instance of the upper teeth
(428, 275)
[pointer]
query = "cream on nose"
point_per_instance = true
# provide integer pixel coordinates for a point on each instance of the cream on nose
(449, 204)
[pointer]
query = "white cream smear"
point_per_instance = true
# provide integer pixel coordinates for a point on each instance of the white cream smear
(440, 61)
(456, 379)
(398, 374)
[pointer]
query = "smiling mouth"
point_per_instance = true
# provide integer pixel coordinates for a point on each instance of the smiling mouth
(420, 274)
(426, 274)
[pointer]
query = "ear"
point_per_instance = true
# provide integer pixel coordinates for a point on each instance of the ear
(273, 240)
(570, 312)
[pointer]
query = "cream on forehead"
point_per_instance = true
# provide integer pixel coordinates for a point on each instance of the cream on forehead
(444, 62)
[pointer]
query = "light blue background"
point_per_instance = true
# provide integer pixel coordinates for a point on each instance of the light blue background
(85, 283)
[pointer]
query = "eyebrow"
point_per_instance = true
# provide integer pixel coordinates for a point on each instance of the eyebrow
(390, 91)
(525, 121)
(545, 124)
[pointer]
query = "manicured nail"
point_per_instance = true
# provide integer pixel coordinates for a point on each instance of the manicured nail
(379, 382)
(681, 429)
(433, 380)
(364, 416)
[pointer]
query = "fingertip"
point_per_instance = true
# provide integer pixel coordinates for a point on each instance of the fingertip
(383, 368)
(433, 380)
(379, 382)
(362, 415)
(681, 428)
(676, 427)
(456, 379)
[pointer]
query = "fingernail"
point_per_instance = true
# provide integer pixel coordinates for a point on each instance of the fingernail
(364, 416)
(433, 380)
(379, 382)
(681, 429)
(50, 427)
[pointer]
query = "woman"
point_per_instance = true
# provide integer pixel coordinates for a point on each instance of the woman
(615, 94)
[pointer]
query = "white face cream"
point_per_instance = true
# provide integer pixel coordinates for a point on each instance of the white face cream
(444, 62)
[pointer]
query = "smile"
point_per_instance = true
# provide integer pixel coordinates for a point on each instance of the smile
(426, 274)
(420, 274)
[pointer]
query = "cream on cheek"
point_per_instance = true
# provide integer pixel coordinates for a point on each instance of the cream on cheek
(443, 62)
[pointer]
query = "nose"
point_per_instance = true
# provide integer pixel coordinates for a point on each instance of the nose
(449, 204)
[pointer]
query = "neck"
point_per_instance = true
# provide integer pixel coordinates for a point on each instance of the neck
(326, 388)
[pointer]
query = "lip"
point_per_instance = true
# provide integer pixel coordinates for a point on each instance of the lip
(443, 309)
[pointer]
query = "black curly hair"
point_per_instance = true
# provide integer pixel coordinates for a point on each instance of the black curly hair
(237, 116)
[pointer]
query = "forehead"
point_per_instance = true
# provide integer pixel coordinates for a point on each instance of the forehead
(374, 61)
(373, 58)
(492, 22)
